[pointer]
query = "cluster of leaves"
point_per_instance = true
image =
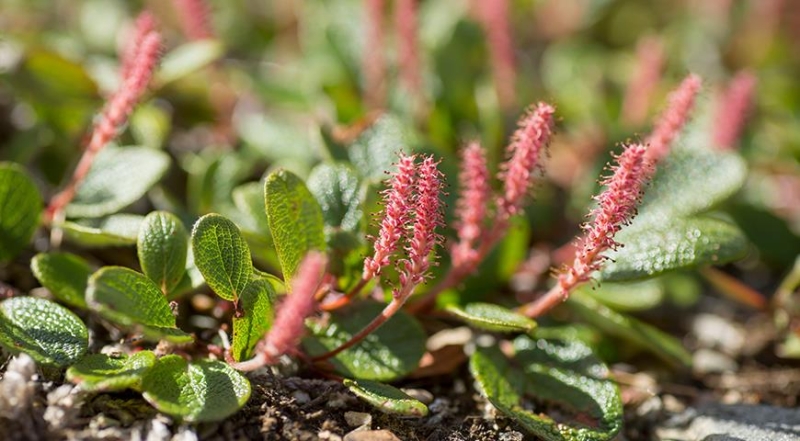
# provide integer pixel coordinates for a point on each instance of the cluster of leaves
(249, 248)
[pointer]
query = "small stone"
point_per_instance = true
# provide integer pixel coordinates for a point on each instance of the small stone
(719, 333)
(301, 397)
(419, 394)
(371, 435)
(357, 419)
(329, 436)
(705, 361)
(512, 435)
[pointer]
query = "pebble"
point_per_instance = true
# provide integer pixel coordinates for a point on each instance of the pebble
(707, 361)
(301, 397)
(419, 394)
(357, 419)
(371, 435)
(733, 422)
(715, 332)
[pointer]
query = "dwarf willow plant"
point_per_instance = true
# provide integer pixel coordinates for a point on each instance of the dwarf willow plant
(319, 294)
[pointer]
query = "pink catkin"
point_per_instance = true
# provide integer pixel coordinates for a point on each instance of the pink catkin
(373, 61)
(408, 52)
(289, 323)
(524, 152)
(732, 109)
(616, 206)
(472, 204)
(396, 215)
(194, 17)
(115, 115)
(650, 61)
(428, 216)
(145, 24)
(494, 17)
(672, 120)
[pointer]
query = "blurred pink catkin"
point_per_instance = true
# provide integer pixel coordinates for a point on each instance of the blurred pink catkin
(472, 205)
(673, 118)
(650, 61)
(525, 149)
(373, 62)
(493, 15)
(195, 19)
(405, 15)
(732, 109)
(144, 25)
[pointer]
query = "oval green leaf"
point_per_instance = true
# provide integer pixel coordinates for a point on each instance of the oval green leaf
(105, 373)
(390, 352)
(206, 390)
(491, 317)
(256, 312)
(564, 372)
(20, 209)
(65, 275)
(162, 246)
(130, 299)
(112, 231)
(376, 149)
(386, 398)
(691, 181)
(48, 332)
(188, 58)
(222, 255)
(338, 192)
(295, 220)
(119, 177)
(652, 249)
(627, 296)
(665, 346)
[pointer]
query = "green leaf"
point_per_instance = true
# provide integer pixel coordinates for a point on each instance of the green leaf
(20, 209)
(105, 373)
(111, 231)
(130, 299)
(48, 332)
(256, 306)
(339, 194)
(681, 243)
(387, 398)
(249, 199)
(162, 246)
(626, 296)
(206, 390)
(65, 275)
(222, 256)
(188, 58)
(564, 372)
(665, 346)
(390, 352)
(118, 177)
(492, 317)
(295, 220)
(376, 149)
(691, 181)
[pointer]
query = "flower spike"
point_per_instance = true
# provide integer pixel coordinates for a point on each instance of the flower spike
(616, 206)
(395, 216)
(732, 110)
(524, 152)
(674, 117)
(289, 324)
(472, 205)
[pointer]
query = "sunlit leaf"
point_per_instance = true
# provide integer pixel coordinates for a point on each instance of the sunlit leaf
(105, 373)
(65, 275)
(386, 398)
(204, 390)
(20, 208)
(48, 332)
